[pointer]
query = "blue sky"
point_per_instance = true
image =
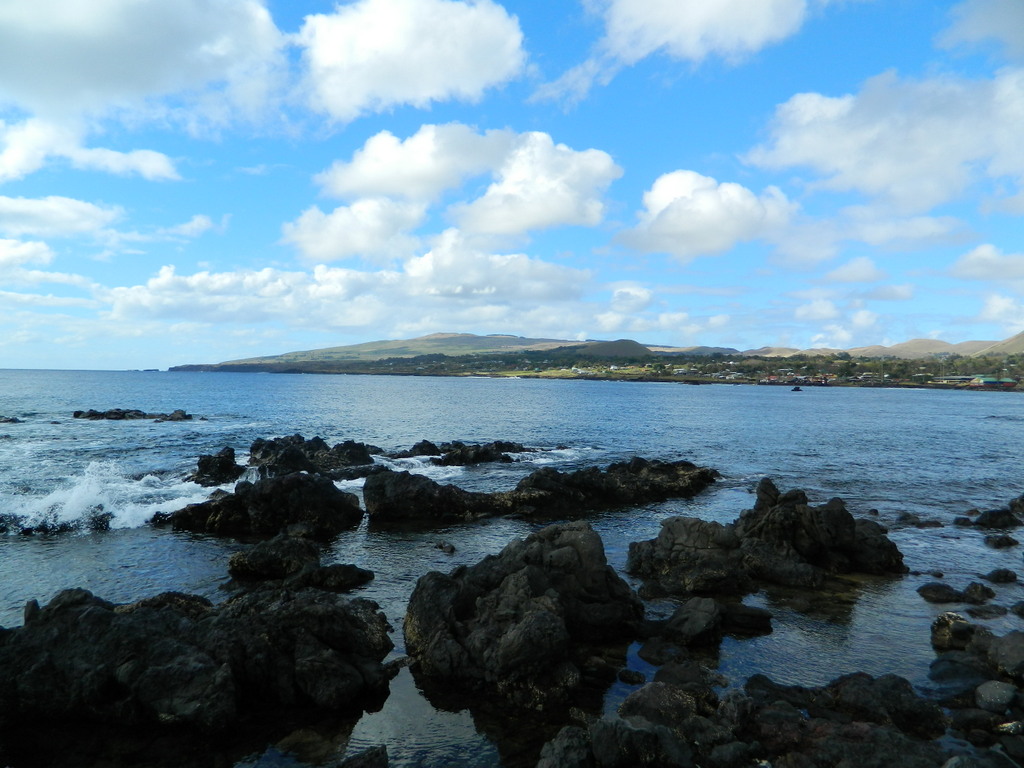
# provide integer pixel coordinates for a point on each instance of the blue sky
(207, 180)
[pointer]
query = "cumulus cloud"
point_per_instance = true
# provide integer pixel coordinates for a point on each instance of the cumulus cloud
(858, 270)
(374, 228)
(977, 21)
(453, 268)
(688, 215)
(25, 147)
(434, 159)
(1004, 311)
(452, 276)
(913, 144)
(818, 309)
(53, 216)
(541, 184)
(64, 57)
(631, 298)
(372, 55)
(687, 31)
(15, 253)
(986, 262)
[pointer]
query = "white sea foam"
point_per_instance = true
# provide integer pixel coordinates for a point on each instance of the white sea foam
(104, 488)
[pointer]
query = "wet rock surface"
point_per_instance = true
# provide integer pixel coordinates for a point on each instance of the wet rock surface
(176, 660)
(403, 497)
(854, 720)
(294, 563)
(514, 623)
(294, 453)
(783, 540)
(310, 504)
(131, 414)
(217, 469)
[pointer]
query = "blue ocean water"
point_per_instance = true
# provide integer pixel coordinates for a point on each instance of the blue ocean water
(932, 453)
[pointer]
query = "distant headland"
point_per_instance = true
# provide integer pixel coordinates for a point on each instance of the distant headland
(920, 362)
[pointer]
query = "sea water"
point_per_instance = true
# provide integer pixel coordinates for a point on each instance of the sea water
(935, 454)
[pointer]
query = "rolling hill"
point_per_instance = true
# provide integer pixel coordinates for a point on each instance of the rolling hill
(455, 344)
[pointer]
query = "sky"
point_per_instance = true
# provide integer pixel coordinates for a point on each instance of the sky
(205, 180)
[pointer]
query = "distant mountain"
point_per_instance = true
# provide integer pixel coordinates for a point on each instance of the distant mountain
(619, 348)
(916, 349)
(435, 343)
(454, 344)
(771, 352)
(1011, 346)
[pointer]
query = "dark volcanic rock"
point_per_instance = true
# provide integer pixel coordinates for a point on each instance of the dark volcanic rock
(176, 660)
(782, 540)
(277, 558)
(218, 469)
(283, 455)
(510, 623)
(294, 563)
(550, 492)
(271, 505)
(854, 720)
(129, 414)
(401, 496)
(461, 454)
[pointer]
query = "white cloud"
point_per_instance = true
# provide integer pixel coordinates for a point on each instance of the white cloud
(453, 268)
(65, 57)
(834, 337)
(858, 270)
(863, 319)
(374, 228)
(693, 31)
(451, 281)
(15, 253)
(914, 144)
(435, 158)
(53, 216)
(372, 55)
(631, 298)
(1004, 311)
(688, 31)
(539, 185)
(194, 227)
(25, 147)
(818, 309)
(977, 21)
(688, 215)
(986, 262)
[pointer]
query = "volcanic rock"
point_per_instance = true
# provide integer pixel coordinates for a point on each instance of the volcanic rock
(511, 623)
(783, 540)
(271, 505)
(218, 469)
(177, 660)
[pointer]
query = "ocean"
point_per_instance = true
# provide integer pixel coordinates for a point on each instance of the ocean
(934, 454)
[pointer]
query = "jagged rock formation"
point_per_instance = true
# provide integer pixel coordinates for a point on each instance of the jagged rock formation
(783, 540)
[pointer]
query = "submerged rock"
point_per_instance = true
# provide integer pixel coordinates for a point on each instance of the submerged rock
(512, 623)
(264, 508)
(177, 660)
(783, 540)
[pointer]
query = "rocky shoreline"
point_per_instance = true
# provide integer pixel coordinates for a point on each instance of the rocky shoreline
(538, 630)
